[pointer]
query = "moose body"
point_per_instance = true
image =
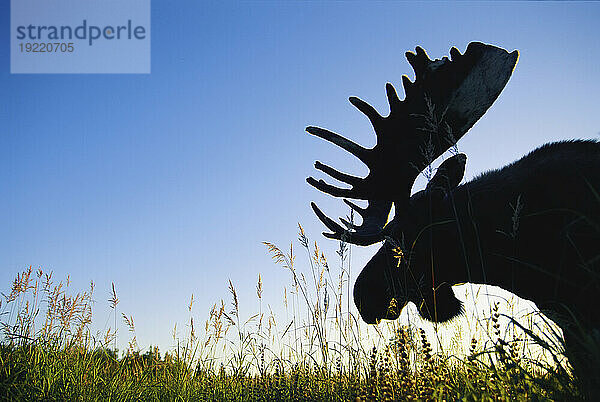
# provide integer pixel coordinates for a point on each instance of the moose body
(532, 227)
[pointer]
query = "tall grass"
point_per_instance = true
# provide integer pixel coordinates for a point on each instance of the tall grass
(321, 351)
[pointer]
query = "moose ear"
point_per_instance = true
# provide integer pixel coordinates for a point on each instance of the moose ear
(448, 175)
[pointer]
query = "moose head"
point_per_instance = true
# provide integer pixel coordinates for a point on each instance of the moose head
(445, 100)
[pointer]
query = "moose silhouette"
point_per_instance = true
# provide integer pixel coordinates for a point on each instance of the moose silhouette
(531, 227)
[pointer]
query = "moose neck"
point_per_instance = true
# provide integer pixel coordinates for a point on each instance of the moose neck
(462, 246)
(468, 242)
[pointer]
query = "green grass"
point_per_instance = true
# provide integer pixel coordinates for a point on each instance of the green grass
(49, 352)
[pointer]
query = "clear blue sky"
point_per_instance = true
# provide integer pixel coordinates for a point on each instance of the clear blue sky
(166, 184)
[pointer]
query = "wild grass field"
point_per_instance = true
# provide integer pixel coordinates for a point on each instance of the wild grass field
(321, 351)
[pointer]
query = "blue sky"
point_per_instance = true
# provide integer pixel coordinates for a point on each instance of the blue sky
(166, 184)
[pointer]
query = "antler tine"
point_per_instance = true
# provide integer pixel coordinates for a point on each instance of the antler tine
(455, 53)
(329, 189)
(368, 233)
(355, 207)
(344, 143)
(327, 221)
(409, 86)
(367, 110)
(393, 99)
(374, 216)
(419, 61)
(336, 174)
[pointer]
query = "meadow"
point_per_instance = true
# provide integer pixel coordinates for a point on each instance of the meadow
(321, 351)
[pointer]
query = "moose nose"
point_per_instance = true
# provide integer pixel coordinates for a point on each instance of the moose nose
(373, 290)
(371, 299)
(362, 304)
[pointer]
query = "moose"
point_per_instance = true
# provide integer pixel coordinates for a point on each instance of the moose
(531, 227)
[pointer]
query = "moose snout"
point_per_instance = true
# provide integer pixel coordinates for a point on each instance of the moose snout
(370, 305)
(373, 294)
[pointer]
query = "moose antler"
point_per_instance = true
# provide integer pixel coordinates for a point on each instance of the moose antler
(440, 106)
